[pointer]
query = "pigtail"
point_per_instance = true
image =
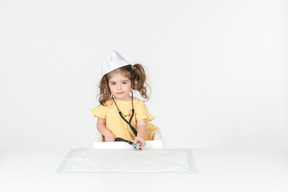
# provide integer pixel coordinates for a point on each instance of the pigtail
(139, 80)
(105, 93)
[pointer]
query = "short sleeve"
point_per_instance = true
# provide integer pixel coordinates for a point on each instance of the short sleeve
(142, 112)
(99, 112)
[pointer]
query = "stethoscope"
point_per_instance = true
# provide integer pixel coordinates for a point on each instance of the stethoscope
(137, 145)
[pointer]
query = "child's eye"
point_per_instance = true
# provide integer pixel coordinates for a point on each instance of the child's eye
(124, 82)
(113, 83)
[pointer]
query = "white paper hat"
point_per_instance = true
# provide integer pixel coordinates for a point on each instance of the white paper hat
(112, 62)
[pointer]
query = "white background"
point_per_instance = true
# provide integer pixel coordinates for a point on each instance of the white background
(218, 69)
(218, 72)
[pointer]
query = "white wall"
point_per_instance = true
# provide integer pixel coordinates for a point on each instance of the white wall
(218, 69)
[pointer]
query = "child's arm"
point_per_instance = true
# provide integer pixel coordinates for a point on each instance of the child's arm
(141, 132)
(101, 126)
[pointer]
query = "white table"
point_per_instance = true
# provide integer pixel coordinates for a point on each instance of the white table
(222, 170)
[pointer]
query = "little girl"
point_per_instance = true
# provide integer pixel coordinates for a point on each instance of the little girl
(119, 112)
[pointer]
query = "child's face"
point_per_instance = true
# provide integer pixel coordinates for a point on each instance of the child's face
(120, 86)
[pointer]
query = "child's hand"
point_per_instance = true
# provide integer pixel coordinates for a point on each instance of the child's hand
(141, 140)
(109, 137)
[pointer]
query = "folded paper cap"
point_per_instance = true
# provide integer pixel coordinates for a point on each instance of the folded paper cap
(112, 62)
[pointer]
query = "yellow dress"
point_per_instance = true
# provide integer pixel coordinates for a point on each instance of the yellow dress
(117, 125)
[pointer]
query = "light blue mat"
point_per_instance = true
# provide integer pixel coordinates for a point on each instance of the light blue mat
(163, 161)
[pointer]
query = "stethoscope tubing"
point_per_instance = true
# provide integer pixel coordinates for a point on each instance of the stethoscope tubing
(129, 123)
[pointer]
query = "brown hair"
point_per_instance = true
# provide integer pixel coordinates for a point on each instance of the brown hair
(135, 73)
